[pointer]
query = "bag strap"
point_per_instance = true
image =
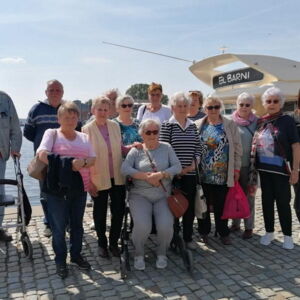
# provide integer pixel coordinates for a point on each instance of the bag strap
(154, 168)
(144, 110)
(251, 132)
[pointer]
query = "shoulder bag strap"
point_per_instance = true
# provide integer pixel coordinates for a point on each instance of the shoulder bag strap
(251, 132)
(154, 168)
(54, 138)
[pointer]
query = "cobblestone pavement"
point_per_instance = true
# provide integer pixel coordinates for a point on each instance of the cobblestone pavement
(245, 270)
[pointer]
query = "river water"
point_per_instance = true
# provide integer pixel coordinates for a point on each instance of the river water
(31, 185)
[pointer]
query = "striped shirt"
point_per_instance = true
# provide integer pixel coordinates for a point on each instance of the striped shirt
(185, 141)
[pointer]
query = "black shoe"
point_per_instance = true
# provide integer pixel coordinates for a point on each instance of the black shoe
(81, 263)
(4, 236)
(62, 270)
(103, 252)
(115, 251)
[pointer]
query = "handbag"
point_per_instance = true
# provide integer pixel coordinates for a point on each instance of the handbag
(236, 204)
(37, 169)
(177, 202)
(200, 201)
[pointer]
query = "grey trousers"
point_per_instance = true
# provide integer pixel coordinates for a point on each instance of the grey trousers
(142, 210)
(2, 190)
(244, 179)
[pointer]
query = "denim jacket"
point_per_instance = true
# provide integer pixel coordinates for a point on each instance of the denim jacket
(10, 132)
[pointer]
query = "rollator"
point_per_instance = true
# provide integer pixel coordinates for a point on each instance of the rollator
(22, 205)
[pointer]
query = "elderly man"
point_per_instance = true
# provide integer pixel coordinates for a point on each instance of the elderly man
(42, 116)
(10, 143)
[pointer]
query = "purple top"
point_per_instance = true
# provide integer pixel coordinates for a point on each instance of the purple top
(104, 131)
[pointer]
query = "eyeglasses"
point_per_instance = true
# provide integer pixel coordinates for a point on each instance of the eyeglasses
(244, 104)
(125, 105)
(149, 132)
(275, 101)
(155, 95)
(211, 107)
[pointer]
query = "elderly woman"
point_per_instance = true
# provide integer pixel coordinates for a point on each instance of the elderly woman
(181, 133)
(196, 112)
(220, 164)
(276, 152)
(152, 169)
(106, 177)
(66, 205)
(128, 125)
(246, 122)
(154, 110)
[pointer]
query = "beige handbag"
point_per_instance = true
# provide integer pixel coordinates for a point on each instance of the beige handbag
(38, 169)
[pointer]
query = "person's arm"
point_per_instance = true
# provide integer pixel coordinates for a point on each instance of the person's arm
(128, 169)
(165, 132)
(46, 145)
(296, 161)
(139, 115)
(29, 127)
(238, 150)
(175, 165)
(15, 131)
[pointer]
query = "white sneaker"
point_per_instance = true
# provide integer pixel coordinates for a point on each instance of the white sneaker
(288, 242)
(92, 226)
(267, 238)
(139, 263)
(191, 245)
(161, 262)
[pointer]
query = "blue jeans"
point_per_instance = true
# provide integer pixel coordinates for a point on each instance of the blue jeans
(62, 211)
(2, 190)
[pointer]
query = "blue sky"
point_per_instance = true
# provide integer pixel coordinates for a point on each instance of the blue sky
(42, 40)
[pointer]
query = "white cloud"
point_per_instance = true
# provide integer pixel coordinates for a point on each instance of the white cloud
(96, 60)
(12, 60)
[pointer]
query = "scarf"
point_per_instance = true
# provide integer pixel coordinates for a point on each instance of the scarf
(242, 122)
(261, 124)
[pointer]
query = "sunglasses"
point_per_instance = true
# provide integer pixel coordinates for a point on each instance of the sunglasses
(244, 104)
(149, 132)
(126, 105)
(276, 101)
(211, 107)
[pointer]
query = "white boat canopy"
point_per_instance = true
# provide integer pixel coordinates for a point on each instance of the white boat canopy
(260, 72)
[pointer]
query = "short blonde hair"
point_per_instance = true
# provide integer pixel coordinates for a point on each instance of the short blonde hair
(100, 100)
(68, 107)
(178, 98)
(210, 99)
(121, 99)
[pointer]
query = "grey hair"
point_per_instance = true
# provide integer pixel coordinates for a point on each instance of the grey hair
(100, 100)
(179, 97)
(245, 96)
(121, 99)
(113, 90)
(50, 82)
(273, 91)
(211, 98)
(144, 124)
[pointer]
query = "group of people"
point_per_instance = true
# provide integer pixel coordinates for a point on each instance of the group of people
(163, 146)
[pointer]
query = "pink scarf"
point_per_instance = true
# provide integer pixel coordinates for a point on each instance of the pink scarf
(242, 122)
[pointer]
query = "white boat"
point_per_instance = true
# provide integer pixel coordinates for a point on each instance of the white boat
(260, 72)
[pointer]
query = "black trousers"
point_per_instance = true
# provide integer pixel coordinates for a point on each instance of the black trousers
(117, 195)
(215, 195)
(276, 188)
(187, 184)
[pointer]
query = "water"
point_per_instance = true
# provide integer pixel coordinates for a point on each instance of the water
(31, 185)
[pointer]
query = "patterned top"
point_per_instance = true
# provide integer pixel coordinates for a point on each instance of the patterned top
(129, 133)
(214, 162)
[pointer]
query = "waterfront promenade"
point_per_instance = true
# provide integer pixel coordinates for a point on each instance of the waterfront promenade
(245, 270)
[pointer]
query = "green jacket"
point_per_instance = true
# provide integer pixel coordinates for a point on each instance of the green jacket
(10, 131)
